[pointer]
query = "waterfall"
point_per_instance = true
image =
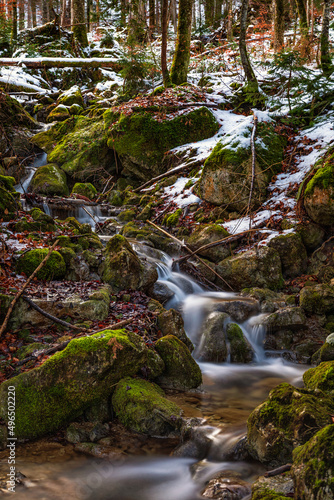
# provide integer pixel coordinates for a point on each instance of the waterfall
(39, 161)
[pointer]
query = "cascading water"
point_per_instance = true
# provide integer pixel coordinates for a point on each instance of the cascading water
(39, 161)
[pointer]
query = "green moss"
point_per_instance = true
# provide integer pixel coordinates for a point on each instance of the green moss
(7, 182)
(59, 113)
(127, 215)
(141, 406)
(71, 96)
(324, 176)
(171, 220)
(27, 350)
(240, 350)
(321, 377)
(48, 139)
(85, 189)
(53, 269)
(267, 494)
(49, 180)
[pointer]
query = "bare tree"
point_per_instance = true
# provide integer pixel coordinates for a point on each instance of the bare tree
(326, 61)
(279, 25)
(249, 73)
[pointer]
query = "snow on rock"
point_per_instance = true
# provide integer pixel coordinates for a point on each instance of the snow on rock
(182, 197)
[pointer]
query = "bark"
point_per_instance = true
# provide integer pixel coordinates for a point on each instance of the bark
(66, 13)
(152, 16)
(218, 12)
(229, 20)
(249, 73)
(88, 13)
(123, 12)
(302, 17)
(164, 69)
(279, 25)
(325, 58)
(45, 11)
(173, 14)
(33, 13)
(14, 23)
(21, 15)
(179, 69)
(56, 62)
(209, 8)
(97, 12)
(78, 22)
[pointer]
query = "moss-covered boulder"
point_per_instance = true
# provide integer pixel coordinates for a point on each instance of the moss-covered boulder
(48, 139)
(292, 254)
(171, 323)
(49, 180)
(239, 348)
(72, 380)
(254, 268)
(313, 467)
(142, 407)
(212, 345)
(278, 487)
(319, 192)
(85, 189)
(41, 222)
(321, 262)
(122, 268)
(71, 96)
(54, 268)
(58, 114)
(227, 173)
(326, 352)
(312, 235)
(141, 141)
(209, 233)
(321, 377)
(287, 419)
(317, 299)
(146, 233)
(9, 198)
(285, 318)
(181, 370)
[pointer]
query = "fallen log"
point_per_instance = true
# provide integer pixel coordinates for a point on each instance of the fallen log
(279, 470)
(61, 62)
(50, 316)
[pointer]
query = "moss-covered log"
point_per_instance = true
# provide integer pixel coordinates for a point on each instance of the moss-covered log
(61, 62)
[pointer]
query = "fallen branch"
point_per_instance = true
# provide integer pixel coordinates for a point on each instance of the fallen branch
(253, 170)
(61, 62)
(171, 107)
(165, 175)
(279, 470)
(20, 292)
(61, 347)
(182, 245)
(50, 316)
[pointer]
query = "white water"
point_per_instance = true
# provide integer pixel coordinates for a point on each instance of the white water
(39, 161)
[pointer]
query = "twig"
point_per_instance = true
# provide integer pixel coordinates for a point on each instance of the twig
(62, 346)
(190, 251)
(279, 470)
(253, 170)
(49, 316)
(20, 292)
(162, 176)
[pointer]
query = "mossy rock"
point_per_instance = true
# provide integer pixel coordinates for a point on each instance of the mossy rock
(127, 215)
(48, 139)
(85, 189)
(9, 198)
(147, 233)
(312, 235)
(27, 350)
(115, 198)
(171, 323)
(292, 254)
(209, 233)
(41, 222)
(319, 192)
(172, 219)
(239, 347)
(212, 346)
(317, 299)
(141, 141)
(58, 114)
(321, 377)
(54, 268)
(326, 352)
(71, 96)
(278, 487)
(254, 268)
(72, 380)
(181, 372)
(287, 419)
(142, 407)
(313, 466)
(49, 180)
(227, 173)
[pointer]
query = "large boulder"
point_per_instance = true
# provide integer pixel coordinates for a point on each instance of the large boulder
(71, 96)
(321, 377)
(254, 268)
(49, 180)
(287, 419)
(227, 174)
(317, 299)
(142, 407)
(181, 370)
(286, 318)
(141, 141)
(313, 467)
(322, 262)
(72, 380)
(122, 268)
(319, 192)
(212, 346)
(292, 254)
(209, 233)
(9, 198)
(54, 268)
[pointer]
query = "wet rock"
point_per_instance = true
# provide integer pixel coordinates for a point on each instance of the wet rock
(269, 300)
(54, 268)
(317, 299)
(313, 466)
(292, 254)
(58, 114)
(290, 317)
(254, 268)
(171, 323)
(288, 418)
(72, 380)
(239, 310)
(85, 189)
(224, 487)
(239, 347)
(271, 488)
(99, 412)
(209, 233)
(142, 406)
(321, 377)
(181, 372)
(162, 292)
(49, 180)
(197, 445)
(86, 431)
(212, 346)
(103, 451)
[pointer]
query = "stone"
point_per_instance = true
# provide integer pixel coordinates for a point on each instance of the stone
(292, 318)
(142, 407)
(212, 346)
(273, 488)
(292, 254)
(317, 299)
(85, 189)
(181, 370)
(58, 114)
(162, 292)
(49, 180)
(9, 198)
(209, 233)
(321, 377)
(54, 268)
(240, 349)
(171, 323)
(312, 235)
(224, 487)
(239, 310)
(71, 96)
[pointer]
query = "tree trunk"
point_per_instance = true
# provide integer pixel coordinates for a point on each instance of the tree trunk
(21, 15)
(249, 73)
(152, 16)
(209, 9)
(45, 12)
(98, 12)
(123, 13)
(33, 13)
(325, 58)
(218, 12)
(302, 17)
(279, 25)
(14, 23)
(78, 22)
(164, 69)
(179, 69)
(173, 14)
(66, 13)
(229, 20)
(88, 13)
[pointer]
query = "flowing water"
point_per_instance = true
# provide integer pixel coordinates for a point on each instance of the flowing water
(228, 395)
(40, 160)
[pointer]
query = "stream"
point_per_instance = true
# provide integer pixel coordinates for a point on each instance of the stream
(228, 395)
